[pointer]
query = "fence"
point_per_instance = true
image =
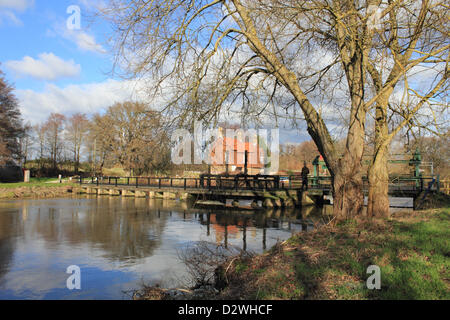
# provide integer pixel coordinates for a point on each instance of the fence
(260, 182)
(445, 186)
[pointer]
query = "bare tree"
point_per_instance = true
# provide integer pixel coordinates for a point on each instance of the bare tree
(39, 131)
(434, 149)
(100, 141)
(285, 54)
(132, 135)
(26, 143)
(53, 128)
(411, 42)
(76, 131)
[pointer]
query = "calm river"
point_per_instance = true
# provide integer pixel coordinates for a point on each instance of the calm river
(119, 243)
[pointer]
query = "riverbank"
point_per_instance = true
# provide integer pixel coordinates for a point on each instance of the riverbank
(37, 188)
(412, 250)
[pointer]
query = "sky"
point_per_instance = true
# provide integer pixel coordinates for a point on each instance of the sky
(57, 67)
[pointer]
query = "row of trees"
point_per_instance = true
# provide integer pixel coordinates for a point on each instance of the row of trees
(331, 63)
(129, 135)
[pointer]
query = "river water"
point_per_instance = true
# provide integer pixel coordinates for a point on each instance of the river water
(120, 243)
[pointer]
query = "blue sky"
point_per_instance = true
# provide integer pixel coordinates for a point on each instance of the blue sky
(41, 28)
(53, 68)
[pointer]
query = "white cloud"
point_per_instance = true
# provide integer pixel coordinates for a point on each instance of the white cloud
(83, 40)
(8, 6)
(19, 5)
(47, 67)
(85, 98)
(7, 15)
(86, 42)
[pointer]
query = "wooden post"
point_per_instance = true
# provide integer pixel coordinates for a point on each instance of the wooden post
(246, 163)
(226, 162)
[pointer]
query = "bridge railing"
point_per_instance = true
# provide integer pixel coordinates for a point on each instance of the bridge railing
(210, 182)
(257, 182)
(157, 182)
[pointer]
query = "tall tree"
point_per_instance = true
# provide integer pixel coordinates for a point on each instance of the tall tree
(137, 136)
(229, 48)
(11, 127)
(132, 135)
(100, 141)
(76, 131)
(39, 132)
(26, 142)
(412, 46)
(216, 53)
(53, 136)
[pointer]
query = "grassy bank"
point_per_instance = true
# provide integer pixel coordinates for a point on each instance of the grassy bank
(412, 250)
(36, 188)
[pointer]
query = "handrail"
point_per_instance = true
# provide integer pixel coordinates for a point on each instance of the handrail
(249, 182)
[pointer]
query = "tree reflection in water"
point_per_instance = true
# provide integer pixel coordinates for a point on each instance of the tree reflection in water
(40, 238)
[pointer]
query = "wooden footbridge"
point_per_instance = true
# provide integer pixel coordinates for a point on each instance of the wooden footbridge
(264, 190)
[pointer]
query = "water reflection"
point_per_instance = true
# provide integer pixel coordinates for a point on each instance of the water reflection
(118, 242)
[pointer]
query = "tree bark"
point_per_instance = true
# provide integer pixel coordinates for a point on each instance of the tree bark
(378, 173)
(348, 196)
(378, 202)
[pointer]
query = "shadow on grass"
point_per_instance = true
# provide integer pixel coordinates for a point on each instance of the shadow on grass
(413, 257)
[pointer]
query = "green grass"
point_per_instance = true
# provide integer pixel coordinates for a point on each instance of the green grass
(412, 251)
(34, 182)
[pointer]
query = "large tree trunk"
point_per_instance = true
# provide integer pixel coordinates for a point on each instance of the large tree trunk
(378, 202)
(348, 196)
(378, 174)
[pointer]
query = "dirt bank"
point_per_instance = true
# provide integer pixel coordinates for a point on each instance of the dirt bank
(35, 192)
